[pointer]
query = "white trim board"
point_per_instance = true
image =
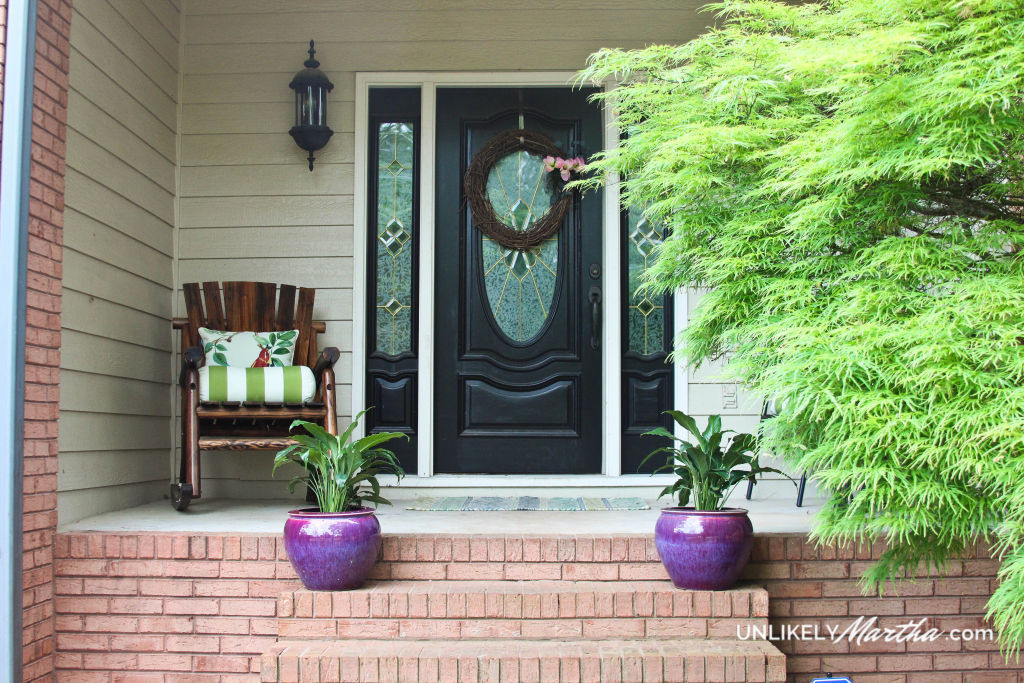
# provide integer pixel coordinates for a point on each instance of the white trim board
(611, 371)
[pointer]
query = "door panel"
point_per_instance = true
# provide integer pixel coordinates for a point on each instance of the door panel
(517, 380)
(500, 409)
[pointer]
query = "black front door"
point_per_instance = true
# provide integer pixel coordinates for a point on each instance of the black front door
(517, 332)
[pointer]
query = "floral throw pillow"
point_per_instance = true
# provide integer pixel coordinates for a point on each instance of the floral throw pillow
(248, 349)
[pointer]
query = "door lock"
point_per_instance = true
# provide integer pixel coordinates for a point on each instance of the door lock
(595, 271)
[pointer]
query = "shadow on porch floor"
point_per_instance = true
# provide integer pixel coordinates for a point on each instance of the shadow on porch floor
(772, 511)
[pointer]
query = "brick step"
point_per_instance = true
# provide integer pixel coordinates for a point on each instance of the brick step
(524, 660)
(520, 609)
(519, 557)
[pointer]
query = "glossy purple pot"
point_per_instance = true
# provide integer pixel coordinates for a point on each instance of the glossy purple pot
(704, 550)
(332, 551)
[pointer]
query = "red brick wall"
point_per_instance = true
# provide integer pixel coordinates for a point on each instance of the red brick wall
(168, 603)
(819, 587)
(42, 335)
(163, 604)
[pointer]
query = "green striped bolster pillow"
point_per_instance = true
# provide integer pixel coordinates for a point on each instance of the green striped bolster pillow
(289, 384)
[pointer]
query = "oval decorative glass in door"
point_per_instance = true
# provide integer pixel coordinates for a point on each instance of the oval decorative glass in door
(520, 283)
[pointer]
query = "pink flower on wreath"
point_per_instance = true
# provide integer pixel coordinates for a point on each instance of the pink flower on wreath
(566, 167)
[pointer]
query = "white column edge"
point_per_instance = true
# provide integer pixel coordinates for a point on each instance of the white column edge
(612, 310)
(425, 373)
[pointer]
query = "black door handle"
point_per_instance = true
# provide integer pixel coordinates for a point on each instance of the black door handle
(595, 317)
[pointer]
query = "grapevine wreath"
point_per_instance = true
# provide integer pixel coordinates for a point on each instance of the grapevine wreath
(475, 186)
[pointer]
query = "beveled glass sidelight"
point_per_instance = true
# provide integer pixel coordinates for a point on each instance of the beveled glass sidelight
(395, 192)
(646, 317)
(520, 283)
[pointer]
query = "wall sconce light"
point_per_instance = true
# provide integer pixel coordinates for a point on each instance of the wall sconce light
(311, 86)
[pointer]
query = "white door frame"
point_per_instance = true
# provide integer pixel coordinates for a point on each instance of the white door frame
(428, 82)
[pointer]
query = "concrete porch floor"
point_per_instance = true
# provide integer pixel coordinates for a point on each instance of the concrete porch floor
(772, 511)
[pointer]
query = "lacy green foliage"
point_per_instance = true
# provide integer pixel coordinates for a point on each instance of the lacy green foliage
(845, 179)
(342, 473)
(704, 470)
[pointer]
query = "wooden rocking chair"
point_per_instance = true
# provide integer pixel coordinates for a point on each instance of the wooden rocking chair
(232, 426)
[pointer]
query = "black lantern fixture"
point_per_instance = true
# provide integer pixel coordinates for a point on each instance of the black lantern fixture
(311, 86)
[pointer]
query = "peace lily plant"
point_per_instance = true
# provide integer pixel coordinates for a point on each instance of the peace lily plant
(334, 546)
(705, 471)
(341, 473)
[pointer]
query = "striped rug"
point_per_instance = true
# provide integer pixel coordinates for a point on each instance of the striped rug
(511, 503)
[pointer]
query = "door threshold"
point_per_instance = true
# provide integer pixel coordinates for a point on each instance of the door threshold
(529, 480)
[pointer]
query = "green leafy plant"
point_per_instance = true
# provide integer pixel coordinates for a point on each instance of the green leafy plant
(341, 473)
(845, 181)
(705, 471)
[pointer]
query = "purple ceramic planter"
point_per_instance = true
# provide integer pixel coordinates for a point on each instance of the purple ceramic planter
(332, 551)
(704, 550)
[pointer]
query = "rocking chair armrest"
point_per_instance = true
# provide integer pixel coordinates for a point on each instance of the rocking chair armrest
(328, 357)
(190, 362)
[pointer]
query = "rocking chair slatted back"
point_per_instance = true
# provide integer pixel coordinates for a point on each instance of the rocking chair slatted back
(255, 307)
(214, 307)
(194, 310)
(305, 348)
(286, 307)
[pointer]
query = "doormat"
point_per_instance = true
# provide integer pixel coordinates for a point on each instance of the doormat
(516, 503)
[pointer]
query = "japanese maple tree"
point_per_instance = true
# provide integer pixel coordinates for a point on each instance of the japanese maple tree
(845, 179)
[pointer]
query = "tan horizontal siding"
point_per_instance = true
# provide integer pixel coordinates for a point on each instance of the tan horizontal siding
(249, 208)
(212, 212)
(276, 7)
(98, 277)
(100, 469)
(277, 180)
(114, 432)
(129, 141)
(145, 19)
(141, 44)
(167, 12)
(91, 83)
(119, 235)
(75, 504)
(256, 117)
(102, 355)
(100, 393)
(107, 53)
(250, 88)
(258, 149)
(283, 242)
(119, 177)
(90, 314)
(387, 25)
(569, 53)
(89, 196)
(127, 252)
